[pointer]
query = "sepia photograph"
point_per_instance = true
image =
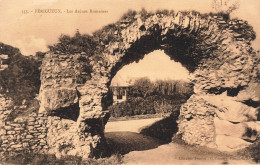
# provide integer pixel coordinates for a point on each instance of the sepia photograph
(129, 82)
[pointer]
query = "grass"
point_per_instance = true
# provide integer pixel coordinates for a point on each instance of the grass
(138, 117)
(252, 152)
(44, 159)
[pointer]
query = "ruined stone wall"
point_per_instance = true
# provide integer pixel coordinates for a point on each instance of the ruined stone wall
(217, 52)
(6, 107)
(58, 128)
(219, 121)
(197, 117)
(24, 134)
(219, 57)
(62, 92)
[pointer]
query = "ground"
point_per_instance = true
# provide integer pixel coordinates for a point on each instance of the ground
(129, 147)
(124, 138)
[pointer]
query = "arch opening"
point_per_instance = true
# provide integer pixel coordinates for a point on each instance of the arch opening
(159, 105)
(156, 69)
(180, 45)
(179, 48)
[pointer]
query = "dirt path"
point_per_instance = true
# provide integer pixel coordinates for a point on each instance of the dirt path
(177, 154)
(129, 125)
(124, 137)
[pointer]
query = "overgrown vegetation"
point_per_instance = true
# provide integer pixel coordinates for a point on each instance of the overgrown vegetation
(21, 80)
(75, 44)
(24, 110)
(44, 159)
(146, 97)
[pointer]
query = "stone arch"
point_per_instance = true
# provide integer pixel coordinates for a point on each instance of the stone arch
(216, 51)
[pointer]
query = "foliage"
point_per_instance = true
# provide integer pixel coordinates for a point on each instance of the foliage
(144, 14)
(21, 80)
(85, 69)
(76, 44)
(146, 97)
(129, 15)
(39, 56)
(143, 87)
(8, 50)
(165, 12)
(173, 87)
(33, 106)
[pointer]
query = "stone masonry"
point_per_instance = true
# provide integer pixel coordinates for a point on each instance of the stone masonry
(23, 134)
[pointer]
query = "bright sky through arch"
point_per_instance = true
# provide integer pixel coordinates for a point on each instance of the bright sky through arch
(156, 65)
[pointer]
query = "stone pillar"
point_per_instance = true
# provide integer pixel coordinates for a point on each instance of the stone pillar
(75, 117)
(92, 118)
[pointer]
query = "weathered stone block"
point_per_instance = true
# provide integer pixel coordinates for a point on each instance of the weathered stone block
(11, 132)
(252, 92)
(18, 128)
(5, 141)
(17, 146)
(30, 128)
(230, 143)
(58, 98)
(37, 125)
(25, 145)
(31, 119)
(41, 136)
(231, 110)
(246, 130)
(8, 127)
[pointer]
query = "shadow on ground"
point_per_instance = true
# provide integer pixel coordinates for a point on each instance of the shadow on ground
(163, 129)
(150, 137)
(124, 142)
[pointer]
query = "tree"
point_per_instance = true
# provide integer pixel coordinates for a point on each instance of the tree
(142, 87)
(146, 97)
(21, 80)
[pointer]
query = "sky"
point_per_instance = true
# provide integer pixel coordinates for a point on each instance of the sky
(33, 31)
(160, 67)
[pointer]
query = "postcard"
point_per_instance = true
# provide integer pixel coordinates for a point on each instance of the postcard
(163, 82)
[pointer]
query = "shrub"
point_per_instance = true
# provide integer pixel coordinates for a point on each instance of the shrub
(76, 44)
(129, 15)
(146, 97)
